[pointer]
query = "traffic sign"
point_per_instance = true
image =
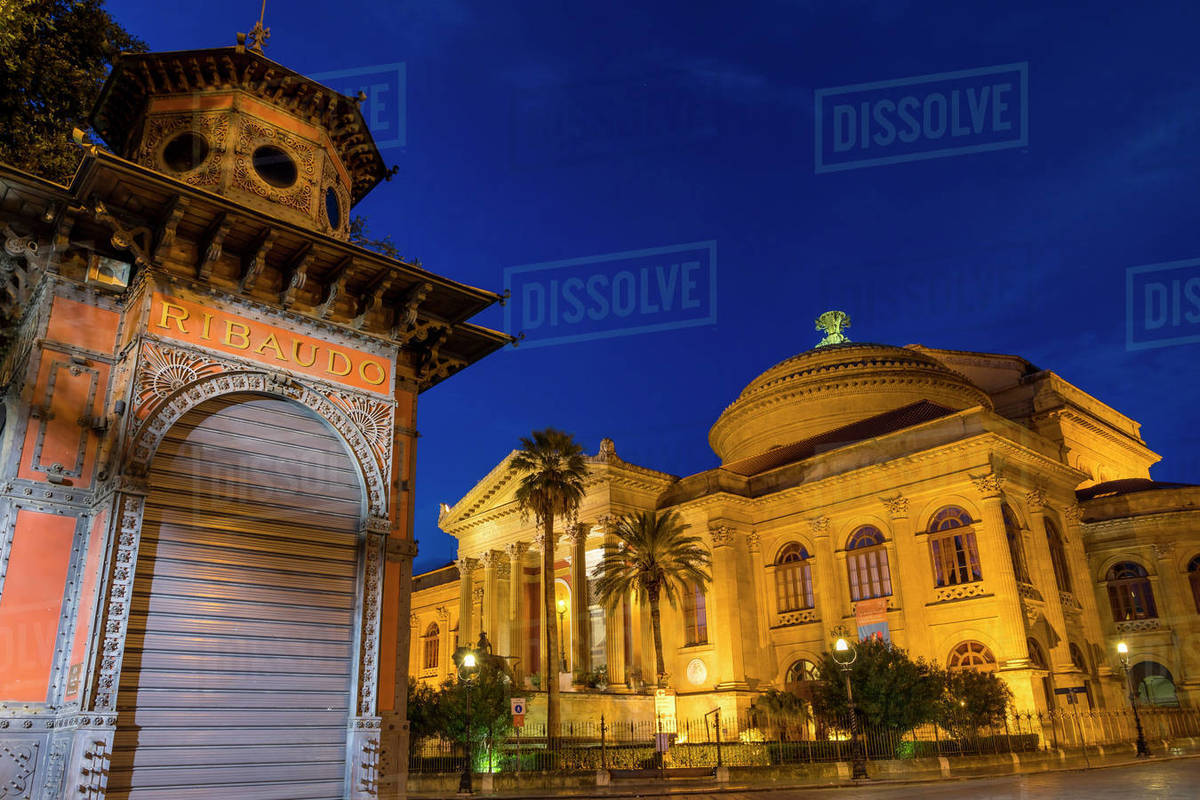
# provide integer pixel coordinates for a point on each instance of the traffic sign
(518, 711)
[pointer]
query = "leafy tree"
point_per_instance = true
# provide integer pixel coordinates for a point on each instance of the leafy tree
(652, 558)
(552, 471)
(54, 57)
(890, 689)
(490, 688)
(972, 700)
(783, 709)
(424, 713)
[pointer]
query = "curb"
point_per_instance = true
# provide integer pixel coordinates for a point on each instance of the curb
(718, 788)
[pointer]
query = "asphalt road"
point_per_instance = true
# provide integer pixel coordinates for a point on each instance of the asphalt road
(1177, 779)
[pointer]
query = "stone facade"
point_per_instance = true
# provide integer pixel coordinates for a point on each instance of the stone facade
(958, 494)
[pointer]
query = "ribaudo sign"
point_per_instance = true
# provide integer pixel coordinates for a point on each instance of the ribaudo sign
(216, 329)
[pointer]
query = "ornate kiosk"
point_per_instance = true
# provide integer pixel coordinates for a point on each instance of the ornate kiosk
(208, 447)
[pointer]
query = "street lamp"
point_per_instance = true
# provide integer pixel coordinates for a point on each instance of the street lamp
(844, 653)
(1143, 750)
(466, 670)
(562, 647)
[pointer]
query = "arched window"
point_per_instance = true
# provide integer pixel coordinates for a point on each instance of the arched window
(1130, 593)
(867, 564)
(695, 615)
(972, 655)
(1016, 546)
(793, 578)
(431, 646)
(801, 671)
(1058, 557)
(1155, 684)
(1037, 656)
(1079, 660)
(1193, 570)
(952, 546)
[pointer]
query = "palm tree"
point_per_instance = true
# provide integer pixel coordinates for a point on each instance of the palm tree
(652, 558)
(553, 470)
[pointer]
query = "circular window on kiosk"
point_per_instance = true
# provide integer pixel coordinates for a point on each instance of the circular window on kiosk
(274, 166)
(333, 208)
(185, 152)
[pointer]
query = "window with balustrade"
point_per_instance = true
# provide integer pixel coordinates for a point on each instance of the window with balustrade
(793, 578)
(972, 655)
(1058, 556)
(430, 646)
(952, 547)
(1129, 592)
(867, 564)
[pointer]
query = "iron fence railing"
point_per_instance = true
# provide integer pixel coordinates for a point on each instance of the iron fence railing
(765, 741)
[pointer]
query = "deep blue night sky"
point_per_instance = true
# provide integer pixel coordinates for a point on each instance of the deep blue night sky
(1021, 250)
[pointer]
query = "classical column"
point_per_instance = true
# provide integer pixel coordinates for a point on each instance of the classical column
(762, 615)
(732, 662)
(490, 618)
(912, 581)
(638, 658)
(1085, 591)
(516, 611)
(614, 643)
(828, 594)
(1167, 592)
(446, 646)
(581, 622)
(416, 650)
(466, 600)
(1060, 651)
(998, 576)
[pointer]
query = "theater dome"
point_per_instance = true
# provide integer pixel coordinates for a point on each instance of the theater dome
(828, 387)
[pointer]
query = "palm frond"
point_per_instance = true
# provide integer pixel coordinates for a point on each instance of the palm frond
(650, 553)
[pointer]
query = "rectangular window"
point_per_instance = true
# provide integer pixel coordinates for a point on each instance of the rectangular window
(695, 616)
(431, 652)
(955, 558)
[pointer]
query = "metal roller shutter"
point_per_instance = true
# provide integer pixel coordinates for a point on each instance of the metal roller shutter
(238, 662)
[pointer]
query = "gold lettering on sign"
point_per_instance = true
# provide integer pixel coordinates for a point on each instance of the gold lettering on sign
(217, 329)
(380, 375)
(243, 333)
(273, 344)
(177, 318)
(296, 354)
(332, 370)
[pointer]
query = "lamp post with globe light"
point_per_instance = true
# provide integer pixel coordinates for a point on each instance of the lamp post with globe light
(466, 670)
(845, 653)
(1143, 750)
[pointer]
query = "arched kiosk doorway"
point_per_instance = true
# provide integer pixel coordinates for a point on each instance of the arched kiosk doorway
(240, 655)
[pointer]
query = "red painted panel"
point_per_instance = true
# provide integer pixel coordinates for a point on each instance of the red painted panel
(58, 427)
(87, 604)
(32, 602)
(388, 636)
(80, 324)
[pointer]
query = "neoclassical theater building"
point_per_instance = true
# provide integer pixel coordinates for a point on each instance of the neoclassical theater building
(208, 447)
(993, 515)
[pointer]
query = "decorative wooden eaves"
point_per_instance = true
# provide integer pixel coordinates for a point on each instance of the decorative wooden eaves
(191, 234)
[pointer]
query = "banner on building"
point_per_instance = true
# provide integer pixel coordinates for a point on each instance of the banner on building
(871, 617)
